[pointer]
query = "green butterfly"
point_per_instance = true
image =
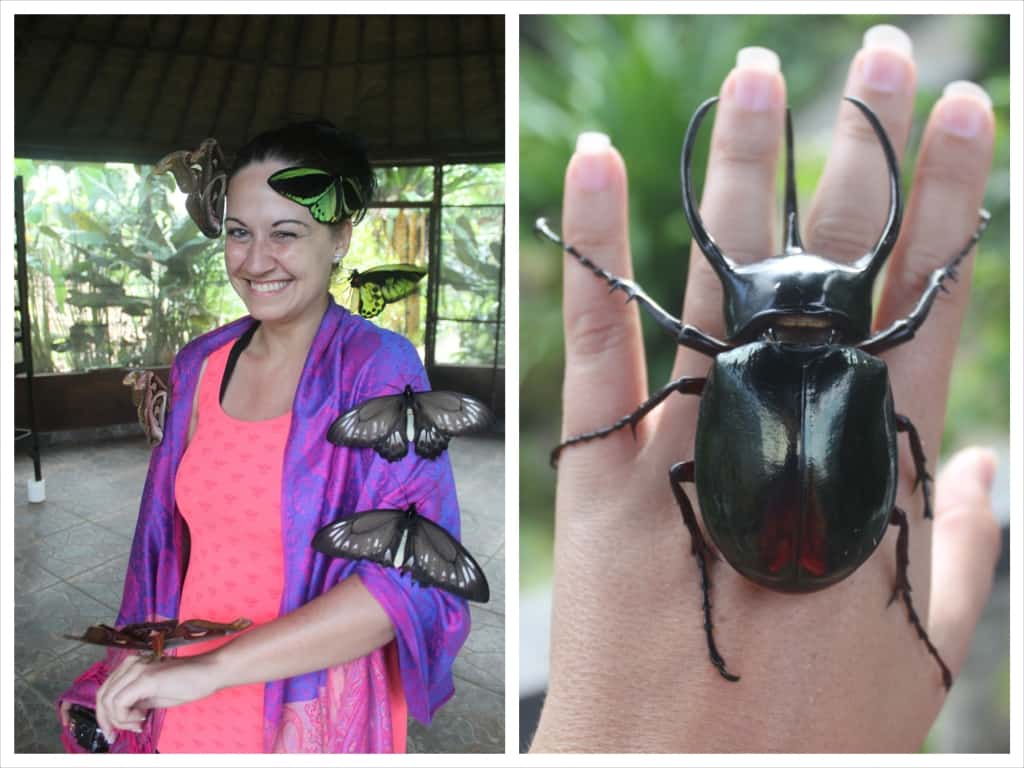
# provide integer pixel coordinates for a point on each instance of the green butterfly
(379, 286)
(328, 198)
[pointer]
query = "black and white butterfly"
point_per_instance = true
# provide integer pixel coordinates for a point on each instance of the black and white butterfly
(401, 538)
(382, 423)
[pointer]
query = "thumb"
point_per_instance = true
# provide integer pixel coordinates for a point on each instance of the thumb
(965, 550)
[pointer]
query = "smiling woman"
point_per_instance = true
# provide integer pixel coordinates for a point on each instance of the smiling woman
(339, 650)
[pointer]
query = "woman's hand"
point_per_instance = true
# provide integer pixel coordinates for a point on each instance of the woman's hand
(344, 623)
(833, 671)
(141, 683)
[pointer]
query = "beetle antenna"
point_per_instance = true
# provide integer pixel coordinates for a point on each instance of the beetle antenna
(722, 265)
(872, 262)
(793, 243)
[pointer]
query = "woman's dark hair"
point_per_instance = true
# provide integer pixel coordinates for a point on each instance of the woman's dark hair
(314, 144)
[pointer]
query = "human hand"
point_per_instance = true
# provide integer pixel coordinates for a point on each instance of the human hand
(141, 683)
(833, 671)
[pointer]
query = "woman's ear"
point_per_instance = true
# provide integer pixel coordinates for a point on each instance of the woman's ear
(342, 239)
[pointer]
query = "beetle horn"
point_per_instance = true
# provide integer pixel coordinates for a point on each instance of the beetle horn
(791, 220)
(872, 262)
(719, 262)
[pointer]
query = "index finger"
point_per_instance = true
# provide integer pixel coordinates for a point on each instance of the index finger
(605, 375)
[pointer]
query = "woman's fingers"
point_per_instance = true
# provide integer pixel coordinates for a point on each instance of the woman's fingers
(604, 362)
(738, 199)
(115, 699)
(965, 551)
(852, 200)
(949, 187)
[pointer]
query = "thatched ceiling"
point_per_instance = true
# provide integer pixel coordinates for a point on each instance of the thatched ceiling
(132, 88)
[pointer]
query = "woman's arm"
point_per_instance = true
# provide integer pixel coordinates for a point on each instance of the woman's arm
(344, 623)
(338, 626)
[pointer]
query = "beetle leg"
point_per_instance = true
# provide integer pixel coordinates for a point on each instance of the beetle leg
(679, 474)
(903, 330)
(924, 478)
(686, 385)
(685, 335)
(902, 587)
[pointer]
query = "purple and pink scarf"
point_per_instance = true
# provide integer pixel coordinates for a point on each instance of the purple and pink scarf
(346, 708)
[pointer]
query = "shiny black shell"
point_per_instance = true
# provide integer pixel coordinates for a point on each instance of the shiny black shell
(796, 461)
(801, 284)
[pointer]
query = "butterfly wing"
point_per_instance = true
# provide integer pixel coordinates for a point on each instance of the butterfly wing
(371, 300)
(310, 187)
(430, 441)
(384, 284)
(201, 175)
(143, 636)
(436, 559)
(396, 281)
(443, 414)
(327, 208)
(157, 417)
(157, 635)
(350, 199)
(197, 630)
(101, 634)
(373, 535)
(377, 423)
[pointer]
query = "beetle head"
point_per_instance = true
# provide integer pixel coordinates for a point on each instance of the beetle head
(796, 289)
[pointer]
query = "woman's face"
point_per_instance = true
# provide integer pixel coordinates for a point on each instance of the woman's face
(278, 257)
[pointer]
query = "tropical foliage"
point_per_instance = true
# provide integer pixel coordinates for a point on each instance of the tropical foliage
(120, 276)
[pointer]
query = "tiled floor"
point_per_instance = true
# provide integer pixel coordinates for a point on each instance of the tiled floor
(71, 553)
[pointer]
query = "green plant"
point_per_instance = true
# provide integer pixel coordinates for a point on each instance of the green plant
(120, 274)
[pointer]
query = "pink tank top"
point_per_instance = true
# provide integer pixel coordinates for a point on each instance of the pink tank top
(228, 489)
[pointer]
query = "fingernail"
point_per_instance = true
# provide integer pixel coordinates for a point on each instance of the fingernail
(756, 57)
(888, 36)
(755, 88)
(965, 88)
(590, 164)
(885, 64)
(592, 141)
(967, 110)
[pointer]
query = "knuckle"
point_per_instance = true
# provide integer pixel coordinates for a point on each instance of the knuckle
(916, 267)
(915, 270)
(844, 233)
(744, 147)
(854, 128)
(600, 242)
(594, 332)
(945, 173)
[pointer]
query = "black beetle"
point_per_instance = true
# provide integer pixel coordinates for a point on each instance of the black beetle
(796, 456)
